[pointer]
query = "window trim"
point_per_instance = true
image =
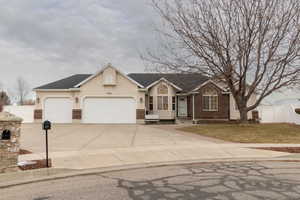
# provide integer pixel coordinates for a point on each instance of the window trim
(210, 103)
(163, 103)
(151, 103)
(173, 103)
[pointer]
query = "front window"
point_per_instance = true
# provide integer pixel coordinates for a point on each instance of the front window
(210, 100)
(151, 103)
(173, 103)
(162, 98)
(162, 103)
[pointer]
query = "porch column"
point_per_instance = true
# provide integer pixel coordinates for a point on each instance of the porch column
(193, 107)
(176, 106)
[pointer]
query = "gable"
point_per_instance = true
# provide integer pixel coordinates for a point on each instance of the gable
(163, 80)
(212, 84)
(162, 88)
(114, 82)
(109, 71)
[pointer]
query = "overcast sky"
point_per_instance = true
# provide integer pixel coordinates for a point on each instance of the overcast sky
(44, 40)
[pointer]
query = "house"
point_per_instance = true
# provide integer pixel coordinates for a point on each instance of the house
(110, 96)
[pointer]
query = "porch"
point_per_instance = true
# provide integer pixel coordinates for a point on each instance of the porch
(167, 108)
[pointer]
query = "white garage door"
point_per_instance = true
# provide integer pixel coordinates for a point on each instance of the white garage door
(109, 110)
(58, 110)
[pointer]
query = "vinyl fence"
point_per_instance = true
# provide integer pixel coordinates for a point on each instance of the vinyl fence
(25, 112)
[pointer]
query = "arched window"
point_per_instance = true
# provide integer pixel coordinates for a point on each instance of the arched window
(210, 100)
(162, 89)
(162, 97)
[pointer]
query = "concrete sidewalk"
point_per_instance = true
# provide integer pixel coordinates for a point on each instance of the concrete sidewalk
(155, 154)
(32, 176)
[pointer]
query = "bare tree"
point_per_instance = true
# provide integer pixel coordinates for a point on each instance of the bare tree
(22, 90)
(4, 98)
(251, 45)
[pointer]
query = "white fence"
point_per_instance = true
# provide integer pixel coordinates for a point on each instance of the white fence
(25, 112)
(279, 114)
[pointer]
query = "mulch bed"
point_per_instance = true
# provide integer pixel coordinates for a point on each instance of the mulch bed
(282, 149)
(24, 151)
(36, 164)
(33, 164)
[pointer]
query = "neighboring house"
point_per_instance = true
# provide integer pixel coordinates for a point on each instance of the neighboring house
(109, 96)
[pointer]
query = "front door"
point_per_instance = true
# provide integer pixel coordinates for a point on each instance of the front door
(182, 106)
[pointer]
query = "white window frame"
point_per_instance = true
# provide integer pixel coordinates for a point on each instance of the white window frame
(210, 109)
(162, 102)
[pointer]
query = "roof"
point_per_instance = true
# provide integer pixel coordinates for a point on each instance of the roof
(187, 82)
(66, 83)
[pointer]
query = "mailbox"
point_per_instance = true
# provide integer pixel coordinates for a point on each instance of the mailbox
(6, 135)
(47, 125)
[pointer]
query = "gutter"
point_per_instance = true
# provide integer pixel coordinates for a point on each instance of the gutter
(57, 90)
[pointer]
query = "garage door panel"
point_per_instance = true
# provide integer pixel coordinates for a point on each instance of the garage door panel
(58, 110)
(109, 110)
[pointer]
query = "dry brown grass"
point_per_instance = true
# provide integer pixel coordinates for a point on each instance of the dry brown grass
(250, 133)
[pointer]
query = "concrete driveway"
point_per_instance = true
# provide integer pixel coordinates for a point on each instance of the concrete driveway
(94, 146)
(93, 137)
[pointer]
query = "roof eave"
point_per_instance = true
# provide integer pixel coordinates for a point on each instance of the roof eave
(57, 90)
(206, 82)
(163, 79)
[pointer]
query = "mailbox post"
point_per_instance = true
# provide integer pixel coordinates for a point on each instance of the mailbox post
(46, 127)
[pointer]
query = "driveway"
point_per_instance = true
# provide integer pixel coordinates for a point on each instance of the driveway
(94, 146)
(93, 137)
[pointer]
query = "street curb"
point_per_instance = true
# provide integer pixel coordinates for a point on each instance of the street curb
(96, 171)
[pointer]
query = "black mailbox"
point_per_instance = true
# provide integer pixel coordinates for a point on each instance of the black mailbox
(6, 134)
(47, 125)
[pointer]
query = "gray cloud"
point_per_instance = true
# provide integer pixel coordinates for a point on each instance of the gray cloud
(46, 40)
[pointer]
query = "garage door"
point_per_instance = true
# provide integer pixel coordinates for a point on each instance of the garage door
(109, 110)
(58, 110)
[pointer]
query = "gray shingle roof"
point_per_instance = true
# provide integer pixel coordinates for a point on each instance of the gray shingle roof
(187, 82)
(66, 83)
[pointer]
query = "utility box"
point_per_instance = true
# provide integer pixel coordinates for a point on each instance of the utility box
(10, 132)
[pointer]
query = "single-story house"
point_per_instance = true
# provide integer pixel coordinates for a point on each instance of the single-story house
(110, 96)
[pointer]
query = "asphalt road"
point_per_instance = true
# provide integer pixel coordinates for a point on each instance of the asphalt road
(214, 181)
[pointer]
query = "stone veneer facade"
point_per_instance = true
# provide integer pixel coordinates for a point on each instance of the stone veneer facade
(9, 149)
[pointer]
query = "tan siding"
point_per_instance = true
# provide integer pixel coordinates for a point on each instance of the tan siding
(96, 88)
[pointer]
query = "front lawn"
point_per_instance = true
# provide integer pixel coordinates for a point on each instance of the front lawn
(250, 133)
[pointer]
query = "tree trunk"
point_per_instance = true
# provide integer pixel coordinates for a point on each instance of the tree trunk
(243, 116)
